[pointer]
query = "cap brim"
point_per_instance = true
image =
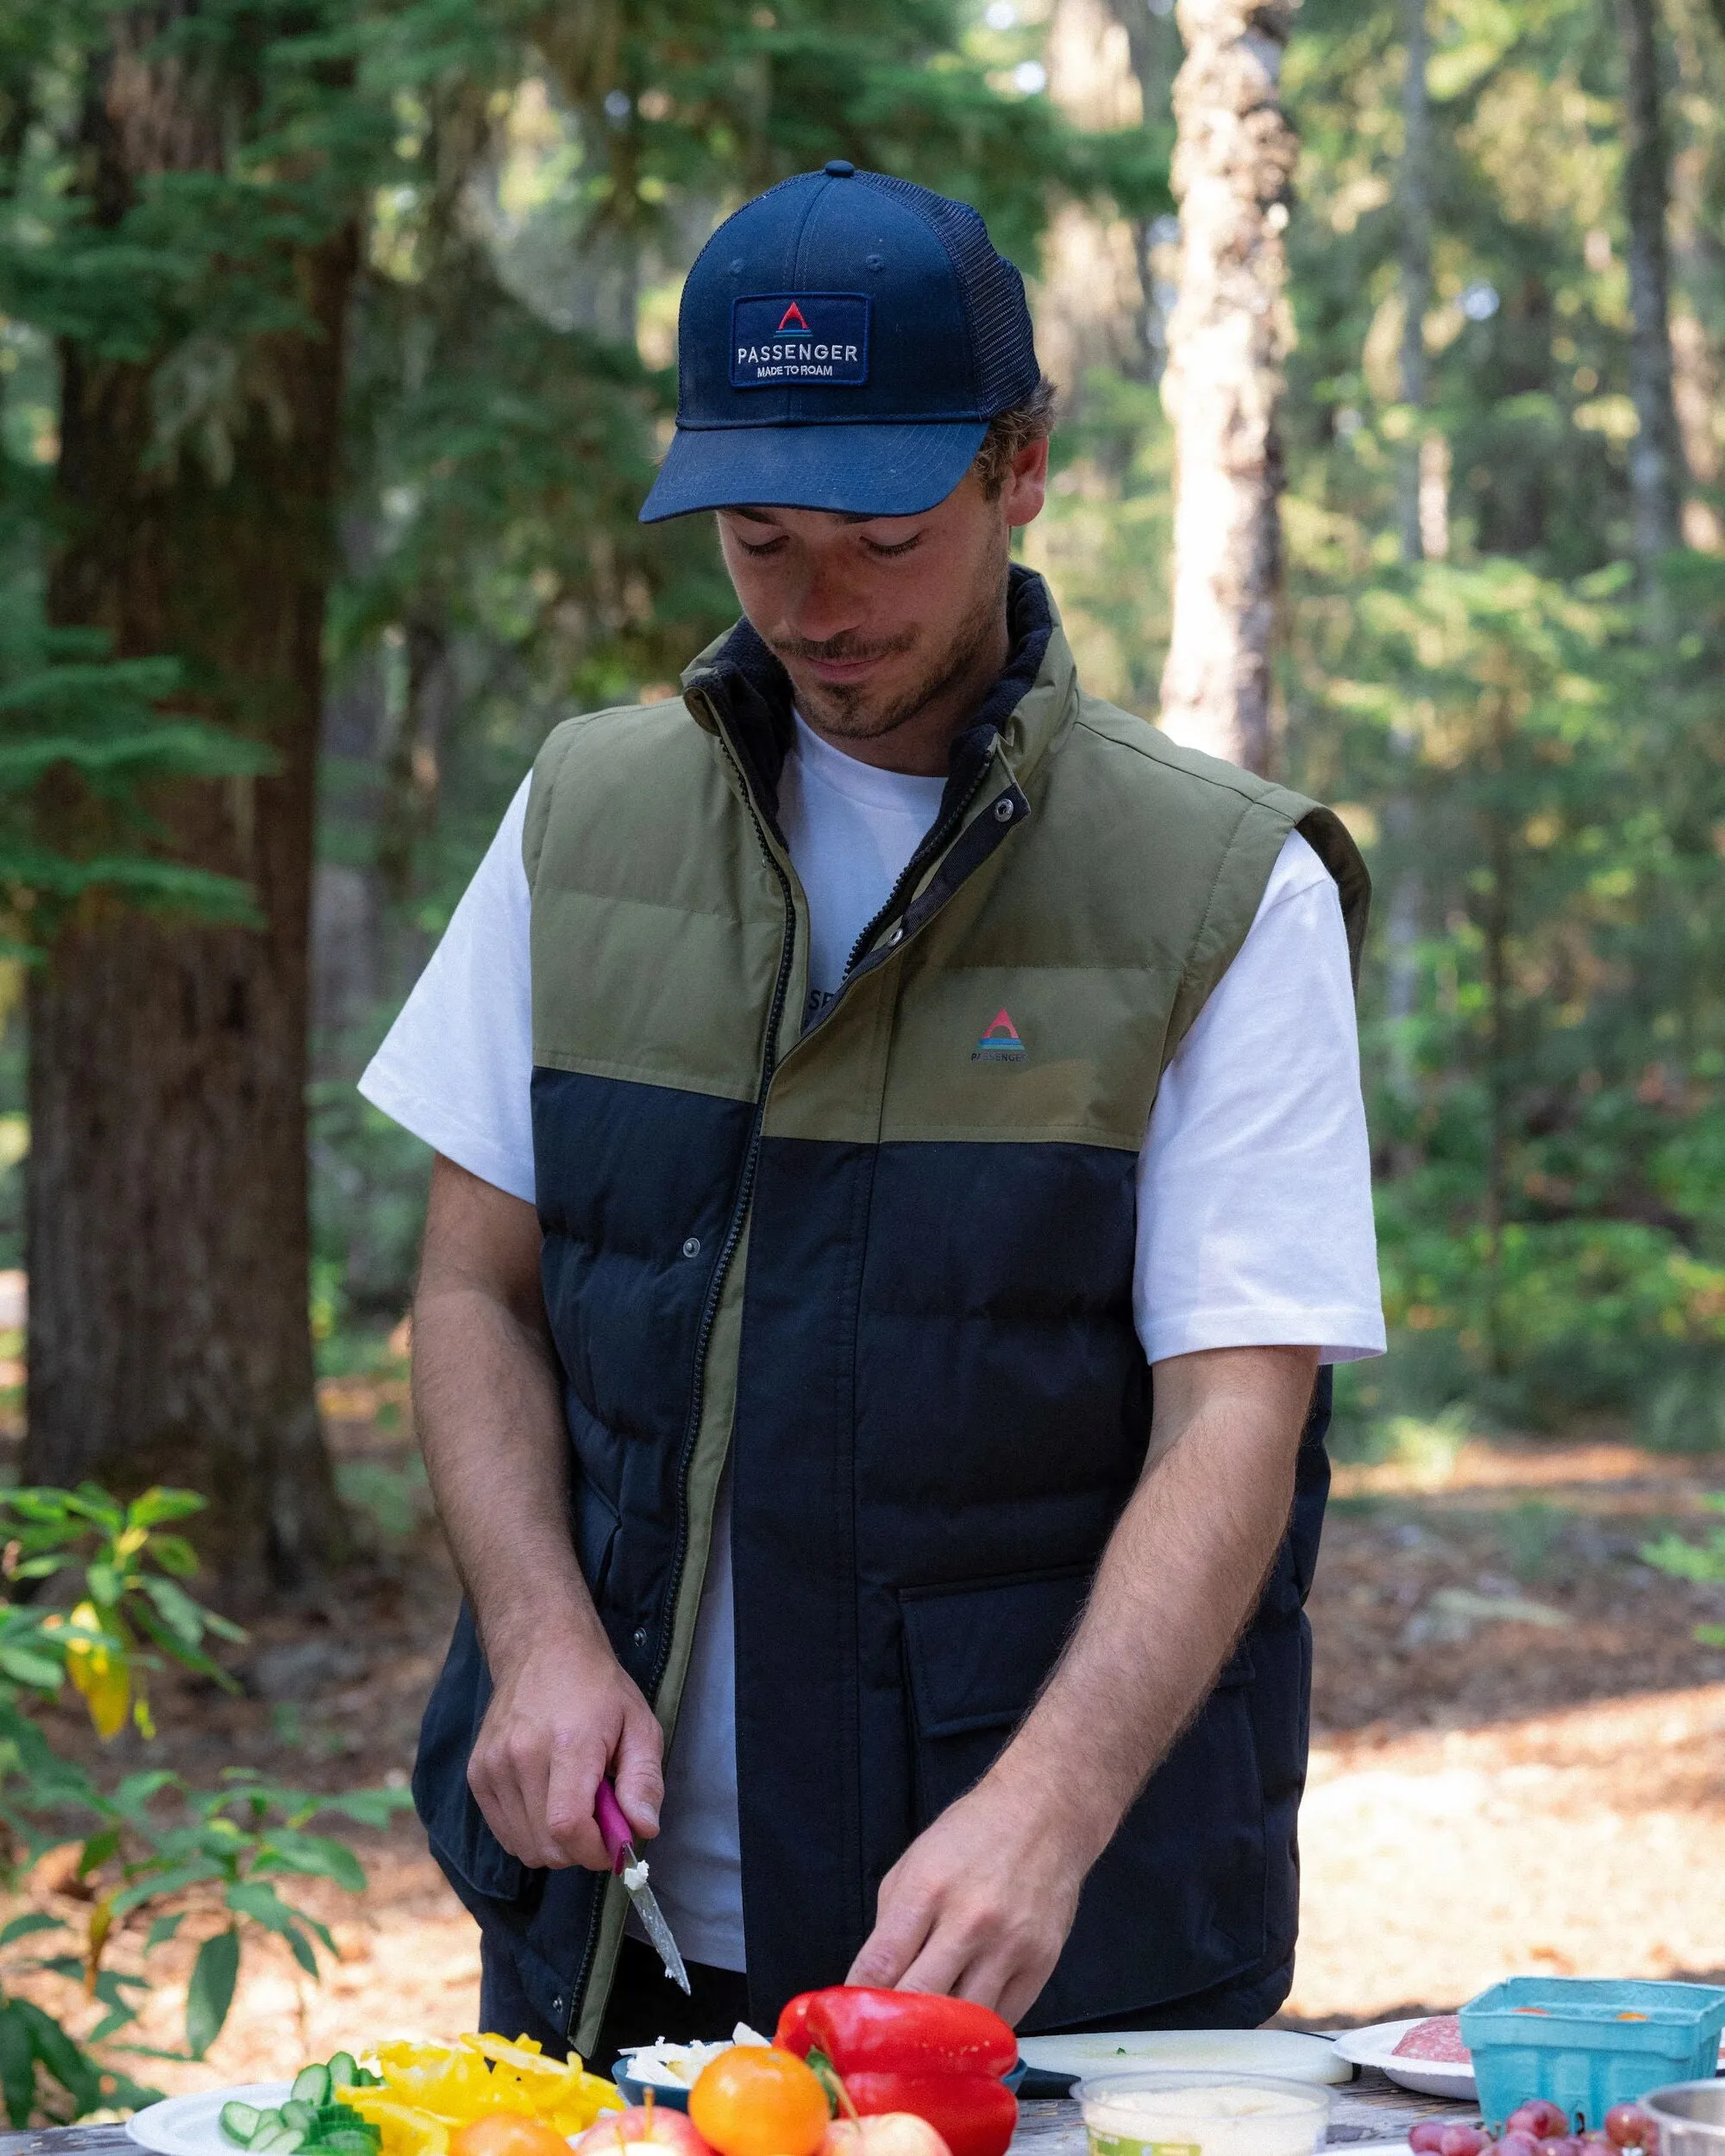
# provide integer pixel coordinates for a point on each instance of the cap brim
(854, 470)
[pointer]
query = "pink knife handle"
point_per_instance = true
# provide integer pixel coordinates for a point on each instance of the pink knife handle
(614, 1829)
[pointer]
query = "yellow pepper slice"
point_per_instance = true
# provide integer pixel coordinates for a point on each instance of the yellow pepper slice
(406, 2130)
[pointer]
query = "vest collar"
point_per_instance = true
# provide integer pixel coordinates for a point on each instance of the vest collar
(738, 680)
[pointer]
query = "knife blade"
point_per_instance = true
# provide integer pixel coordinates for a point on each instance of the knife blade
(619, 1846)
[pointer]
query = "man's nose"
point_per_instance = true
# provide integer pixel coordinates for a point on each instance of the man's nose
(828, 604)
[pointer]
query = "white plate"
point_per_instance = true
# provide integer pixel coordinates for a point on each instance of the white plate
(191, 2126)
(1257, 2050)
(1375, 2047)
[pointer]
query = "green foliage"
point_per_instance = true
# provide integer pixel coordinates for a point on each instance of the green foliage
(1702, 1563)
(152, 1841)
(68, 712)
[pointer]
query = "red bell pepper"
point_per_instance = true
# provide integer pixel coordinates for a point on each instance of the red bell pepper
(911, 2051)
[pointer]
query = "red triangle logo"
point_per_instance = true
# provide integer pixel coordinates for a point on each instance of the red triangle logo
(1002, 1028)
(792, 319)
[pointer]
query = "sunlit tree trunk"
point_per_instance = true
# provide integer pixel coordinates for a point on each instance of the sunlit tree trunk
(1227, 339)
(1420, 476)
(1656, 464)
(168, 1236)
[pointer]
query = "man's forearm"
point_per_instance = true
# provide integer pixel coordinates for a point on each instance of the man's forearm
(562, 1711)
(486, 1410)
(1179, 1579)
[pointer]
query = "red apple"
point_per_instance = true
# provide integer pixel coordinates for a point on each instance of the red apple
(884, 2133)
(658, 2124)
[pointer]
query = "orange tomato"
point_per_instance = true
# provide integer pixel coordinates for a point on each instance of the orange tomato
(507, 2134)
(751, 2101)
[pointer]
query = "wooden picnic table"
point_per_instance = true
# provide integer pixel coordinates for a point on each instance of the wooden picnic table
(1369, 2109)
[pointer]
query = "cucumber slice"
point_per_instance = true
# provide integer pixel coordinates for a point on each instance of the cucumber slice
(344, 2071)
(239, 2122)
(297, 2112)
(369, 2080)
(349, 2140)
(311, 2084)
(327, 2116)
(268, 2122)
(275, 2136)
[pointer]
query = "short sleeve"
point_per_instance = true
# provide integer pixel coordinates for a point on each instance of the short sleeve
(1254, 1186)
(456, 1067)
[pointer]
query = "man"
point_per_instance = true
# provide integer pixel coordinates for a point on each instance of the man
(901, 1167)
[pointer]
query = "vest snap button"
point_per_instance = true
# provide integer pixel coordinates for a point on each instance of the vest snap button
(1003, 811)
(641, 1636)
(692, 1247)
(897, 935)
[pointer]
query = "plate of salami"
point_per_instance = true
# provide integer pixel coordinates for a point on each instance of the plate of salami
(1426, 2055)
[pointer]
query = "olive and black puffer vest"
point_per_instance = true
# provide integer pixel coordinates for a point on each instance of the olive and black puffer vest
(881, 1260)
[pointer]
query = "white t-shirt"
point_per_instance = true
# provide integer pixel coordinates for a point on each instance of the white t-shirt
(1254, 1199)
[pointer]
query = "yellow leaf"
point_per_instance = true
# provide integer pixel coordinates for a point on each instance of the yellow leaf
(100, 1674)
(101, 1923)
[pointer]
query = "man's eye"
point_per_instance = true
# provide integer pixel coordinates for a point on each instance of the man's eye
(904, 546)
(767, 546)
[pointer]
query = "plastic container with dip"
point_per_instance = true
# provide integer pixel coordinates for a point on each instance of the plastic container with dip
(1185, 2113)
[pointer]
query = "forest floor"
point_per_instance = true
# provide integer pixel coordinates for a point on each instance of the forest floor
(1518, 1749)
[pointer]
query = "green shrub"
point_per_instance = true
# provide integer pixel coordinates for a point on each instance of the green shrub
(152, 1839)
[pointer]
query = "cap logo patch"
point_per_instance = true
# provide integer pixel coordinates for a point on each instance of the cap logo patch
(781, 338)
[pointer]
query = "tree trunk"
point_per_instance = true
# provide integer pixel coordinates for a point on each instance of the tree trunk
(1153, 48)
(1414, 515)
(1227, 337)
(1656, 466)
(412, 754)
(166, 1227)
(1414, 198)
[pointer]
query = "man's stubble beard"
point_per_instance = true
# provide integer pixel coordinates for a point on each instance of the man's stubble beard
(848, 712)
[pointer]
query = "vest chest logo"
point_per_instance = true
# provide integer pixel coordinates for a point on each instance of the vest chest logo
(1001, 1043)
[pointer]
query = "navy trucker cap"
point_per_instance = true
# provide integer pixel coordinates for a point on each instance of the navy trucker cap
(843, 342)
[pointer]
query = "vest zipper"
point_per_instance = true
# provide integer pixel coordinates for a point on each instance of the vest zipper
(934, 841)
(733, 1236)
(739, 1212)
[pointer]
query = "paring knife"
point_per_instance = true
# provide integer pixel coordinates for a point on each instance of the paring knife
(614, 1832)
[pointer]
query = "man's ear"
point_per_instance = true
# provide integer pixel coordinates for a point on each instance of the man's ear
(1026, 487)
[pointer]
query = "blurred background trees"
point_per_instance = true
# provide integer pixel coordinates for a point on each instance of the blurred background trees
(338, 349)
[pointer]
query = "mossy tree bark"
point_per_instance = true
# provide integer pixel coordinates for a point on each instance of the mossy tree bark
(1656, 459)
(167, 1229)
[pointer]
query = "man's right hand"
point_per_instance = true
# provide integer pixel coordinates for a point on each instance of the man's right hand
(561, 1715)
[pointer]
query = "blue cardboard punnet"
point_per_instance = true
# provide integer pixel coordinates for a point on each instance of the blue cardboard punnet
(1586, 2043)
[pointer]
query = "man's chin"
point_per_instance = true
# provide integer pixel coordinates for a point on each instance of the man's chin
(857, 712)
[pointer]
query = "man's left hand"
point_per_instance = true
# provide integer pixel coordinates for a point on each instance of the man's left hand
(980, 1904)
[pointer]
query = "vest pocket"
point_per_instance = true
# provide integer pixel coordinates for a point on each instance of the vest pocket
(454, 1826)
(596, 1524)
(1176, 1903)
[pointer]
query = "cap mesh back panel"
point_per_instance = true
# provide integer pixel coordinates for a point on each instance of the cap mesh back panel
(993, 292)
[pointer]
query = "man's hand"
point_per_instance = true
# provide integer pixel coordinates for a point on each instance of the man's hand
(980, 1905)
(491, 1424)
(563, 1716)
